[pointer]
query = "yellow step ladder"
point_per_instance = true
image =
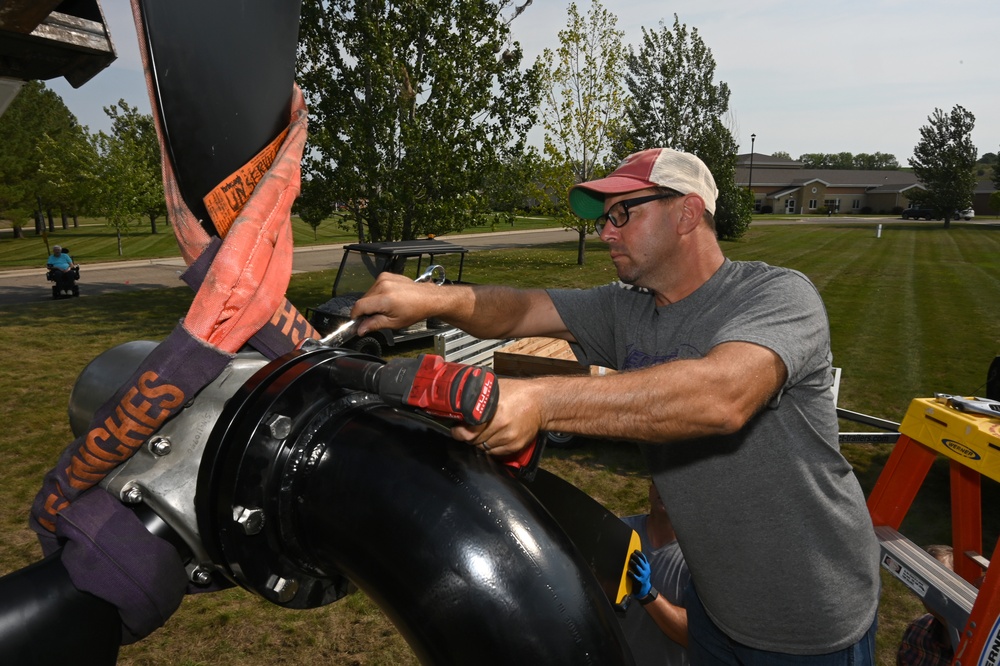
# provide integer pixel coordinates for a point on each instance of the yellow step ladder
(971, 441)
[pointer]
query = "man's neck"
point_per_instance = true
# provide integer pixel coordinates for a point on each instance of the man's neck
(690, 283)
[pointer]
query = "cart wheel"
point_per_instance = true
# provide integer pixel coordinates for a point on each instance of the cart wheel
(561, 440)
(55, 292)
(367, 345)
(76, 290)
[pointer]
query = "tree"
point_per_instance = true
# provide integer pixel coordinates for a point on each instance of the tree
(781, 154)
(842, 161)
(814, 160)
(996, 172)
(61, 163)
(313, 205)
(675, 103)
(875, 162)
(511, 188)
(411, 105)
(581, 107)
(36, 113)
(944, 159)
(135, 134)
(845, 161)
(127, 180)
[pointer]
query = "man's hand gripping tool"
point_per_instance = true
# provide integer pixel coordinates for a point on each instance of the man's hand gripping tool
(347, 330)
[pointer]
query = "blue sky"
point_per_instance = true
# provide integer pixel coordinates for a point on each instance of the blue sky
(805, 77)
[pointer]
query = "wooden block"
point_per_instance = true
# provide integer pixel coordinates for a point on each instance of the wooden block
(526, 365)
(531, 357)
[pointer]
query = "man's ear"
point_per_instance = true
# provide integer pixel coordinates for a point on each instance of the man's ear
(692, 212)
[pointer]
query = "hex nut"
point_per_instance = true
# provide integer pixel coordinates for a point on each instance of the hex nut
(201, 576)
(283, 588)
(250, 519)
(131, 494)
(159, 446)
(280, 426)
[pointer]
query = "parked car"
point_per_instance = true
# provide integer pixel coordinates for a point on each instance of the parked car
(966, 214)
(361, 264)
(920, 212)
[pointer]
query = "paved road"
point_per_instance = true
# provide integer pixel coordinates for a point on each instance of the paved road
(30, 286)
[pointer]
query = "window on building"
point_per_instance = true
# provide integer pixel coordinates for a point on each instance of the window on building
(832, 204)
(757, 203)
(855, 204)
(812, 204)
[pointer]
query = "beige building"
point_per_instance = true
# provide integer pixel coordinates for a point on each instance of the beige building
(786, 186)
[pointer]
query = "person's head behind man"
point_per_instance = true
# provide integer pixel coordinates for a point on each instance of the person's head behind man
(56, 250)
(656, 213)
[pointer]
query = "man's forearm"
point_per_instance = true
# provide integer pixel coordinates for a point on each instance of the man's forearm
(683, 399)
(671, 619)
(490, 311)
(482, 310)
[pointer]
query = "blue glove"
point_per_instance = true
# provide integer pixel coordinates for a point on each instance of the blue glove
(638, 569)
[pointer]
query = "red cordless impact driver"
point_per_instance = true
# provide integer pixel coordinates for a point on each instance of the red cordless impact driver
(455, 391)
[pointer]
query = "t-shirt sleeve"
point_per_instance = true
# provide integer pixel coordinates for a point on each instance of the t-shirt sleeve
(589, 314)
(783, 312)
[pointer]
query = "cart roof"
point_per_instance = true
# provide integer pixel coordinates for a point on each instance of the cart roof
(410, 248)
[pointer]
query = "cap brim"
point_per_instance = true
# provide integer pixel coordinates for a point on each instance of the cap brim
(587, 199)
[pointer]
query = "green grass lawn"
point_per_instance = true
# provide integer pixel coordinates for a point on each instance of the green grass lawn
(93, 241)
(912, 313)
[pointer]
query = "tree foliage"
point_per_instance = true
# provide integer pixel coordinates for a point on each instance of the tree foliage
(944, 160)
(581, 107)
(61, 163)
(313, 205)
(675, 103)
(35, 124)
(127, 182)
(512, 189)
(781, 154)
(876, 162)
(411, 104)
(136, 134)
(846, 161)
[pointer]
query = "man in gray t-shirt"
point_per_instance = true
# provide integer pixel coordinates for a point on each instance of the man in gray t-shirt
(726, 375)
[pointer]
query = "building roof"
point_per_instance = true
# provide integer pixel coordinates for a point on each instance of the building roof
(886, 181)
(985, 186)
(767, 161)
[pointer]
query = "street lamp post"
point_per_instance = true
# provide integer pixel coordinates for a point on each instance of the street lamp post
(753, 137)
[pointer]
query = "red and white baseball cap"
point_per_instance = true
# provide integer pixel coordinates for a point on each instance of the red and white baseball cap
(656, 167)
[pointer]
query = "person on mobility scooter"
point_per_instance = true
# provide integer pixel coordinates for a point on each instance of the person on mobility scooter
(64, 272)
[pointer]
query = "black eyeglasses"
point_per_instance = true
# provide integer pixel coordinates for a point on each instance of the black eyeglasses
(617, 215)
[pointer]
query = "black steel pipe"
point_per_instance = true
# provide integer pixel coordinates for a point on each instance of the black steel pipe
(44, 620)
(463, 558)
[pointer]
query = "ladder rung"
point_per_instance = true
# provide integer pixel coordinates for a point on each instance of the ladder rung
(978, 559)
(868, 437)
(942, 590)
